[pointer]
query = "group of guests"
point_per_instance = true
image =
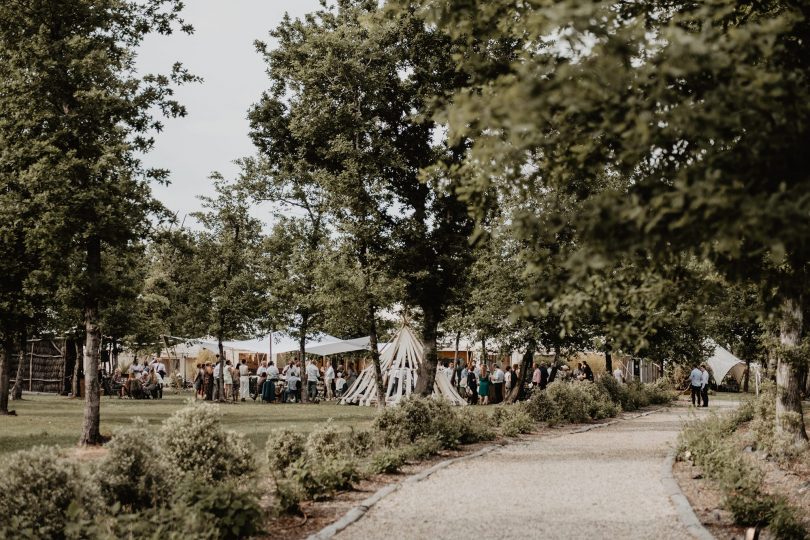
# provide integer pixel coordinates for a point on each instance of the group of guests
(233, 381)
(285, 385)
(142, 381)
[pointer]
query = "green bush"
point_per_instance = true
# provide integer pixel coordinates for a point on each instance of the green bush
(232, 510)
(178, 523)
(386, 461)
(635, 395)
(423, 448)
(319, 479)
(133, 472)
(327, 441)
(289, 495)
(416, 417)
(476, 425)
(513, 420)
(39, 489)
(193, 442)
(284, 446)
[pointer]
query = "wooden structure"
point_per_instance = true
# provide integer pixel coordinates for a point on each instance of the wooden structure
(46, 365)
(399, 363)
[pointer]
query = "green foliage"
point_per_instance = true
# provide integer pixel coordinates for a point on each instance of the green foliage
(513, 420)
(319, 479)
(422, 449)
(41, 490)
(194, 442)
(710, 443)
(415, 418)
(327, 441)
(284, 446)
(133, 472)
(476, 425)
(564, 402)
(387, 461)
(635, 395)
(230, 506)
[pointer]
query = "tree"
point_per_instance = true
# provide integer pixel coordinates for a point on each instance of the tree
(80, 116)
(348, 117)
(698, 110)
(227, 259)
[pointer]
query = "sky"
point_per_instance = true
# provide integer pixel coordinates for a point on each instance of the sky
(215, 131)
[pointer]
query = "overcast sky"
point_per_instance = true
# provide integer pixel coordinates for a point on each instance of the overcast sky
(215, 132)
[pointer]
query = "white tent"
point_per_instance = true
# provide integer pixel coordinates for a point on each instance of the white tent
(399, 364)
(723, 363)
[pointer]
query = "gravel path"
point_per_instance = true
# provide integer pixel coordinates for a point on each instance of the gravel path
(604, 483)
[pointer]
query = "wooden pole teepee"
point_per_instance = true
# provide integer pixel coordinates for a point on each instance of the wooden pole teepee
(399, 364)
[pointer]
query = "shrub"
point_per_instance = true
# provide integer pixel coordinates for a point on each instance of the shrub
(133, 472)
(386, 461)
(360, 441)
(39, 489)
(513, 420)
(476, 425)
(327, 441)
(422, 449)
(194, 442)
(322, 478)
(284, 446)
(542, 408)
(232, 510)
(416, 417)
(289, 495)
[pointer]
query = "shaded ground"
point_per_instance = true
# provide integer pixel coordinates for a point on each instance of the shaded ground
(57, 420)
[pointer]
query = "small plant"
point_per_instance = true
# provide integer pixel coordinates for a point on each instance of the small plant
(416, 417)
(386, 461)
(422, 449)
(476, 425)
(193, 442)
(321, 479)
(284, 446)
(328, 441)
(232, 510)
(513, 420)
(41, 492)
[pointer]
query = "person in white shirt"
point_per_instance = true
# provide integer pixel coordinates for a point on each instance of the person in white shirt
(340, 385)
(617, 374)
(695, 381)
(312, 381)
(292, 385)
(704, 384)
(329, 380)
(244, 381)
(497, 384)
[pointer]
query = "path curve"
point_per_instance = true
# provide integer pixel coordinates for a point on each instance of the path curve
(602, 483)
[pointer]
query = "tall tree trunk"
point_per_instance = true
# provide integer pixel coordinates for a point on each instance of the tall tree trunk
(789, 419)
(375, 352)
(455, 353)
(91, 432)
(746, 374)
(74, 383)
(608, 357)
(5, 359)
(16, 392)
(484, 356)
(426, 376)
(525, 369)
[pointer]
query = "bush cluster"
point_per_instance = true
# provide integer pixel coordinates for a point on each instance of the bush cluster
(177, 482)
(635, 395)
(710, 444)
(564, 402)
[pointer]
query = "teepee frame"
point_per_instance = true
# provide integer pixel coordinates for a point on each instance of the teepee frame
(399, 364)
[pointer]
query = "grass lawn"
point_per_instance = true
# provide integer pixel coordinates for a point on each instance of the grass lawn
(57, 420)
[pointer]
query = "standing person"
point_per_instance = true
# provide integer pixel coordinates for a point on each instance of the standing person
(312, 381)
(483, 385)
(296, 371)
(544, 376)
(261, 377)
(244, 381)
(227, 379)
(704, 384)
(217, 377)
(293, 382)
(695, 381)
(587, 372)
(329, 381)
(208, 382)
(497, 379)
(472, 387)
(507, 380)
(269, 392)
(536, 376)
(235, 381)
(198, 382)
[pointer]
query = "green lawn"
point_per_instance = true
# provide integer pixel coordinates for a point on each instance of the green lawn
(57, 420)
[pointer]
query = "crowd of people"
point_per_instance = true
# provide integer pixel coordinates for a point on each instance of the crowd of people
(271, 384)
(484, 385)
(142, 381)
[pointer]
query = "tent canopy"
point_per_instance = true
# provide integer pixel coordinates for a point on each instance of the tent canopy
(321, 344)
(723, 363)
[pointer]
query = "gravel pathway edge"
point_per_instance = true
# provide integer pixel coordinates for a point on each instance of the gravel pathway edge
(686, 513)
